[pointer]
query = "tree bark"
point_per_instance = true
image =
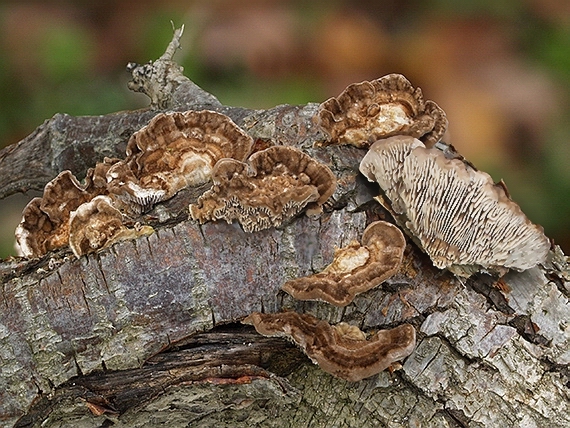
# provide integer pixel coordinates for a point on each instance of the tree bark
(147, 333)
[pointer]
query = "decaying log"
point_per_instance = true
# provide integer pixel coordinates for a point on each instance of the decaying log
(146, 333)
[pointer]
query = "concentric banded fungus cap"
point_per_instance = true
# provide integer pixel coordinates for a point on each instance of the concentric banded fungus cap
(278, 183)
(35, 231)
(340, 350)
(98, 224)
(367, 111)
(355, 268)
(45, 221)
(174, 151)
(461, 218)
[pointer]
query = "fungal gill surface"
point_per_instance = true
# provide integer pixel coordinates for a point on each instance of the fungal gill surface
(461, 218)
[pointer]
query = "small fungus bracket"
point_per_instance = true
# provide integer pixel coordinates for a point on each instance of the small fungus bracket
(98, 224)
(341, 350)
(275, 185)
(367, 111)
(459, 216)
(45, 221)
(355, 269)
(174, 151)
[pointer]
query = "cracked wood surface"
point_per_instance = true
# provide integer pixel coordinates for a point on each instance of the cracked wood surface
(144, 333)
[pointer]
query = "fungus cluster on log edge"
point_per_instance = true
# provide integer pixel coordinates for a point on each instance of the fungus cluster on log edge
(174, 151)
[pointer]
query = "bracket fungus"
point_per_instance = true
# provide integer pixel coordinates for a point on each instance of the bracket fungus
(341, 350)
(174, 151)
(461, 218)
(355, 269)
(276, 184)
(390, 105)
(98, 224)
(45, 221)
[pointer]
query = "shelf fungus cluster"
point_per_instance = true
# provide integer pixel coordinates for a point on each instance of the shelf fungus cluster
(174, 151)
(461, 218)
(355, 269)
(45, 224)
(341, 350)
(390, 105)
(274, 185)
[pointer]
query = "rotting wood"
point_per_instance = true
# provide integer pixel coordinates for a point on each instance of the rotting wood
(488, 354)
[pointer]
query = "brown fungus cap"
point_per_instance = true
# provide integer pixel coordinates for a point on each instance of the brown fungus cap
(355, 269)
(461, 218)
(174, 151)
(45, 221)
(340, 350)
(276, 184)
(98, 224)
(35, 233)
(390, 105)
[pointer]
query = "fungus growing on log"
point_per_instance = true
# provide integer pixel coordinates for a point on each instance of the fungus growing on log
(45, 221)
(276, 184)
(355, 269)
(461, 218)
(390, 105)
(98, 224)
(174, 151)
(340, 350)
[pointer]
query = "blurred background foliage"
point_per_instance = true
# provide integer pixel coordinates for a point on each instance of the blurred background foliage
(499, 68)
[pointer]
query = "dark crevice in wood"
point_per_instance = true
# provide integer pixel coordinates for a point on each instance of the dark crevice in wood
(226, 354)
(484, 284)
(528, 330)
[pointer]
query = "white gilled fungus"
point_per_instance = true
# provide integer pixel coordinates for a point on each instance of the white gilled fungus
(462, 219)
(45, 221)
(340, 350)
(355, 268)
(98, 224)
(275, 185)
(174, 151)
(390, 105)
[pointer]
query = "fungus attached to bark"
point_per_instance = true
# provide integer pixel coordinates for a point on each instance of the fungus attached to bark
(460, 217)
(276, 184)
(45, 221)
(174, 151)
(340, 350)
(390, 105)
(35, 233)
(98, 224)
(355, 269)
